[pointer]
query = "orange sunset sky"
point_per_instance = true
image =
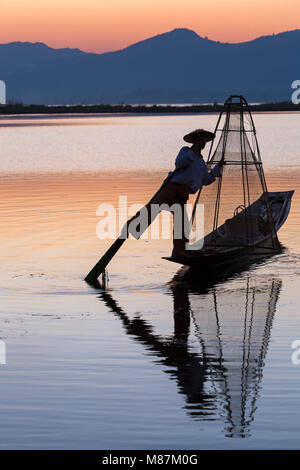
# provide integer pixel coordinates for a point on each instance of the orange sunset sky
(105, 25)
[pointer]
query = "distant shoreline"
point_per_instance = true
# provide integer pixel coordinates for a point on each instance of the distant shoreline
(21, 109)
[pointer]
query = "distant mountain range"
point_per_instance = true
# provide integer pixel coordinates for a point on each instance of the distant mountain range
(175, 67)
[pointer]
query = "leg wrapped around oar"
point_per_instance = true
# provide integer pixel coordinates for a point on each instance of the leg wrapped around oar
(99, 268)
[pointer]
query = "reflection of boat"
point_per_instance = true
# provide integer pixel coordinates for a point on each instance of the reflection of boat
(232, 321)
(240, 216)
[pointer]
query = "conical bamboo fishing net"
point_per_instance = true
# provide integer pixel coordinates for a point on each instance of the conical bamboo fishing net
(236, 207)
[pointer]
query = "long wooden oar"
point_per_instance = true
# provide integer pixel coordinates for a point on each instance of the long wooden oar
(99, 268)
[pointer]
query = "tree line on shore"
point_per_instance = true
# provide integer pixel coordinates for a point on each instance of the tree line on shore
(20, 108)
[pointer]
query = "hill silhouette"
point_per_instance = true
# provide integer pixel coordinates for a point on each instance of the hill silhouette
(175, 67)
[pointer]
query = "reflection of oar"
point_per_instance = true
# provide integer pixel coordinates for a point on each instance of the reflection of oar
(99, 268)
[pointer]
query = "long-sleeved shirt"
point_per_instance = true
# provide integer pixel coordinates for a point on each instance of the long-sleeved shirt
(193, 170)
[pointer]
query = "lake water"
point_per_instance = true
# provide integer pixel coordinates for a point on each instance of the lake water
(157, 360)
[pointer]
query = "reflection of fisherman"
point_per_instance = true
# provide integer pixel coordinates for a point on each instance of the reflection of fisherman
(185, 366)
(190, 175)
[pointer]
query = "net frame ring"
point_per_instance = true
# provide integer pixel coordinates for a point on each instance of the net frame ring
(241, 207)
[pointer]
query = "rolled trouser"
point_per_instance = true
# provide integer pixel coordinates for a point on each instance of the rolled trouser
(174, 194)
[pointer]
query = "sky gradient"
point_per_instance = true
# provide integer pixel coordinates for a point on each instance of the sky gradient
(105, 25)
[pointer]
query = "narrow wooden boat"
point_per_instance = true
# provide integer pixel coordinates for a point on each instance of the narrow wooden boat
(230, 236)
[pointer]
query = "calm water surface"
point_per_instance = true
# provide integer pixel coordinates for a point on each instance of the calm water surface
(161, 359)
